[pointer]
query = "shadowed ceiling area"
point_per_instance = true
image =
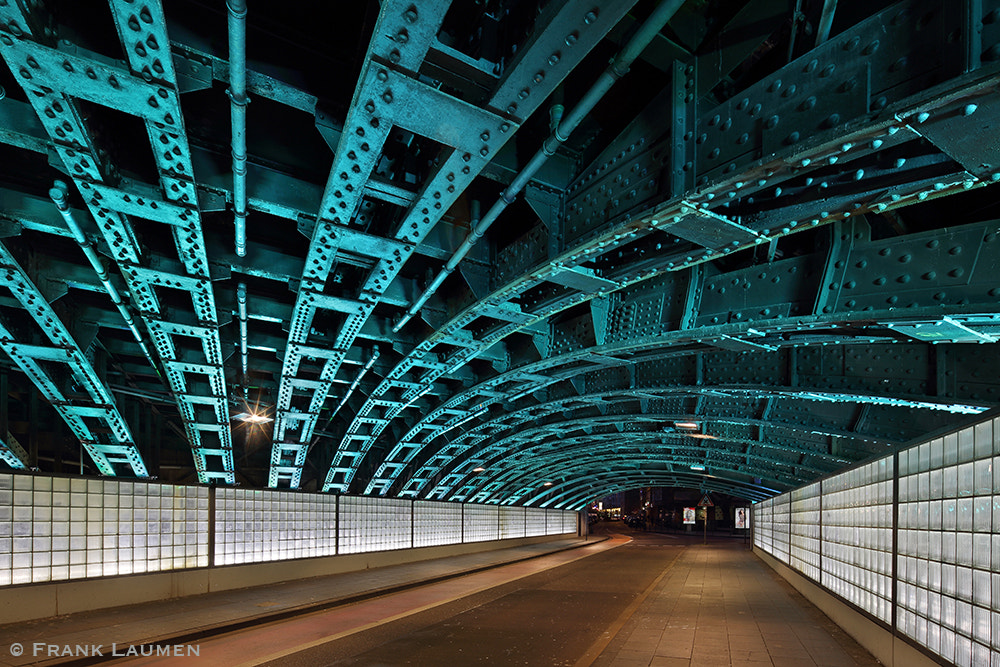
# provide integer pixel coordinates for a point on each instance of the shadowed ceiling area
(498, 251)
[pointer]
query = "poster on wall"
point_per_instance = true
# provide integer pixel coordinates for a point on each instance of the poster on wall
(688, 515)
(741, 518)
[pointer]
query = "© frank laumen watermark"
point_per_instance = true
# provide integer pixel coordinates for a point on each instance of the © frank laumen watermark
(113, 650)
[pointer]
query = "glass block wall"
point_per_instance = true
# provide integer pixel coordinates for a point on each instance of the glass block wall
(60, 528)
(804, 530)
(254, 525)
(928, 560)
(857, 536)
(54, 528)
(763, 520)
(482, 523)
(512, 522)
(436, 523)
(569, 522)
(374, 524)
(948, 563)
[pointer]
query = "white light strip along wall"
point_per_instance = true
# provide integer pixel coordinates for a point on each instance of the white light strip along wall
(947, 535)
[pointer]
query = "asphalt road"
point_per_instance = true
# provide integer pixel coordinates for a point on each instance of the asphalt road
(555, 617)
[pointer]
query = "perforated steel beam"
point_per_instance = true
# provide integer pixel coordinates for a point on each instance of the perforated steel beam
(53, 77)
(387, 96)
(89, 411)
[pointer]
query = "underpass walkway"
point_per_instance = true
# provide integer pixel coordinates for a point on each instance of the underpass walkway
(717, 604)
(637, 599)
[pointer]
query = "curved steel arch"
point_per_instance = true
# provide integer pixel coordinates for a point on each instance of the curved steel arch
(579, 496)
(864, 326)
(532, 378)
(497, 455)
(473, 447)
(601, 483)
(505, 486)
(461, 459)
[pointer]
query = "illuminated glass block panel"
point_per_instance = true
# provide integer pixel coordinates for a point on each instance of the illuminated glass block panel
(436, 523)
(512, 522)
(482, 523)
(570, 522)
(804, 531)
(374, 524)
(534, 521)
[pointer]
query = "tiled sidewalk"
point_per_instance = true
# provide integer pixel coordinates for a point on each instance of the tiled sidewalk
(719, 605)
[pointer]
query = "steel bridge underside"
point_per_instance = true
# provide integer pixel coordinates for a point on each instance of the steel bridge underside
(770, 251)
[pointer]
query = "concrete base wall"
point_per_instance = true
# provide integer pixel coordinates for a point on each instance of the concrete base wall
(887, 648)
(33, 601)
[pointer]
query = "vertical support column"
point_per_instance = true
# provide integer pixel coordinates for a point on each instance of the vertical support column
(692, 298)
(4, 414)
(336, 524)
(413, 522)
(834, 268)
(33, 432)
(463, 523)
(895, 541)
(682, 104)
(973, 34)
(212, 526)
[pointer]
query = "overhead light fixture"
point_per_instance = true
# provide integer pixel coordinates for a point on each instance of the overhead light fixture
(547, 484)
(688, 426)
(253, 418)
(479, 470)
(697, 466)
(702, 436)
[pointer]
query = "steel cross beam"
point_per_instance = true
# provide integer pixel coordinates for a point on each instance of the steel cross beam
(52, 78)
(762, 315)
(387, 95)
(108, 442)
(12, 453)
(606, 483)
(531, 464)
(581, 478)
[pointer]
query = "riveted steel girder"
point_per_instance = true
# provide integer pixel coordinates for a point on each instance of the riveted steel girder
(54, 77)
(90, 412)
(538, 68)
(772, 308)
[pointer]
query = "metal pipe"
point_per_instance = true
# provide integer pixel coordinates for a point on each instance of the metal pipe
(238, 111)
(58, 193)
(241, 305)
(616, 70)
(825, 21)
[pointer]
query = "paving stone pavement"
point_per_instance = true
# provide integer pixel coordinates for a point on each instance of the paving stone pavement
(718, 605)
